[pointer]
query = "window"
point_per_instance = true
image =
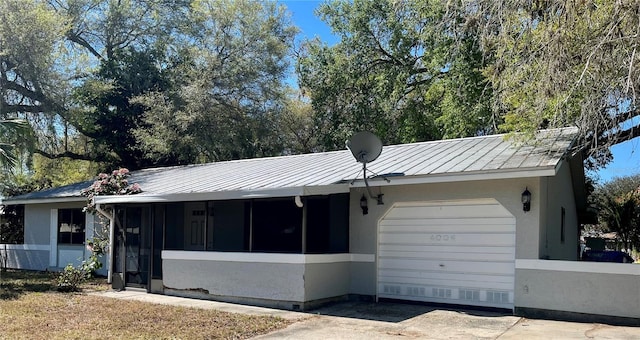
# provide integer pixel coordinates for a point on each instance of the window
(71, 225)
(12, 224)
(562, 222)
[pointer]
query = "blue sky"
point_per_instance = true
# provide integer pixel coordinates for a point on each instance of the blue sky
(626, 155)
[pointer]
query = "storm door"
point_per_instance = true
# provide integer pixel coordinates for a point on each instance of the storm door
(133, 245)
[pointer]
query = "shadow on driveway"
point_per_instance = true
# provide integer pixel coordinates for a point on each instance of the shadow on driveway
(387, 311)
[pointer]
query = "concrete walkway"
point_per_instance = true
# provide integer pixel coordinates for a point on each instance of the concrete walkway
(362, 320)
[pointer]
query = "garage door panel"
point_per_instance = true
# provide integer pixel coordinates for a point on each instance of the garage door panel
(457, 211)
(451, 252)
(430, 239)
(466, 280)
(460, 226)
(466, 296)
(470, 250)
(471, 267)
(466, 284)
(447, 256)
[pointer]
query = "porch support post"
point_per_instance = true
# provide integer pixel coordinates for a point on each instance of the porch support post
(251, 226)
(304, 228)
(111, 217)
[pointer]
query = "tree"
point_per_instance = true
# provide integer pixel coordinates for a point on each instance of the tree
(230, 90)
(399, 70)
(618, 203)
(558, 63)
(14, 138)
(417, 70)
(296, 126)
(97, 73)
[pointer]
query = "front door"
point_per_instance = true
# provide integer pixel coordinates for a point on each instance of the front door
(133, 245)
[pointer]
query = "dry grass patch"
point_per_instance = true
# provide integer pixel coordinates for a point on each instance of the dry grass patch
(52, 315)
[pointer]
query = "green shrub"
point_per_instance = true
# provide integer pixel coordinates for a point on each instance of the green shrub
(70, 279)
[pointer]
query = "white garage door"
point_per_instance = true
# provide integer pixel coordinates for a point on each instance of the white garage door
(460, 252)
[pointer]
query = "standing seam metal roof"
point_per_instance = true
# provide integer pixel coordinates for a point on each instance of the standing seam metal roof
(485, 154)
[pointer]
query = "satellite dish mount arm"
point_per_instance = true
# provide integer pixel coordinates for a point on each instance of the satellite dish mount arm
(366, 184)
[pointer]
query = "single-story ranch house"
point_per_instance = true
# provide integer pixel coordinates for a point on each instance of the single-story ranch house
(484, 221)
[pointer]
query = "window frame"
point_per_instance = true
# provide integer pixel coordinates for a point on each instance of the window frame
(72, 239)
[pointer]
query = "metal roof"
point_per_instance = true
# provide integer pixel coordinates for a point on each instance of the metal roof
(472, 158)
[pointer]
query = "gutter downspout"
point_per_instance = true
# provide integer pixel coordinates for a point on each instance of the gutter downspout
(111, 219)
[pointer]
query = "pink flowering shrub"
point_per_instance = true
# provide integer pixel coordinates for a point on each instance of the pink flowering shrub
(115, 183)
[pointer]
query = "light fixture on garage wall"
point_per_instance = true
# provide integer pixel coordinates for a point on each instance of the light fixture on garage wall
(526, 200)
(364, 205)
(366, 147)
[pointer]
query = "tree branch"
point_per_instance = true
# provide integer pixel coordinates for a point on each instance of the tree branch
(66, 154)
(74, 37)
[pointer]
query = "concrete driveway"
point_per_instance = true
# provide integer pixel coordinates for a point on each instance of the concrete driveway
(365, 320)
(357, 320)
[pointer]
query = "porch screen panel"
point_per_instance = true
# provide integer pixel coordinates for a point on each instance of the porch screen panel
(174, 228)
(277, 226)
(158, 230)
(327, 224)
(228, 226)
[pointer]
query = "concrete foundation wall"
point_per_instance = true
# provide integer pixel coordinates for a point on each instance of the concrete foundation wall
(249, 280)
(610, 289)
(257, 278)
(326, 280)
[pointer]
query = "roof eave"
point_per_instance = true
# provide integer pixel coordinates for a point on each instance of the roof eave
(463, 176)
(224, 195)
(43, 200)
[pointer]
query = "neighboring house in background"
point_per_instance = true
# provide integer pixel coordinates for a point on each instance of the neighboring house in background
(290, 231)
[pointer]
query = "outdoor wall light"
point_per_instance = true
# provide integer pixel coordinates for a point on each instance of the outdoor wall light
(526, 200)
(364, 205)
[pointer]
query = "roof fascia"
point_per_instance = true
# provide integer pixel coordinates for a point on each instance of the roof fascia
(43, 200)
(460, 177)
(224, 195)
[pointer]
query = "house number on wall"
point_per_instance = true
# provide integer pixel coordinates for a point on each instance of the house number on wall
(443, 237)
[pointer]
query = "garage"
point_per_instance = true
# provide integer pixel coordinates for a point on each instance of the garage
(454, 252)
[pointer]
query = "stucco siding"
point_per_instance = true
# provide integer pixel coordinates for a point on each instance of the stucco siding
(21, 257)
(269, 281)
(580, 287)
(38, 230)
(326, 280)
(363, 278)
(560, 196)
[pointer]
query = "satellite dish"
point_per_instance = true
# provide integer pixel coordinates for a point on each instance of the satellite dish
(365, 146)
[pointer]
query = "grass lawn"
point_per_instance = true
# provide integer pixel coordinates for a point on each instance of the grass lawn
(30, 308)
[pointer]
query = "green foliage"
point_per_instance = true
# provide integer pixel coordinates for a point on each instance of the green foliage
(618, 203)
(297, 130)
(14, 139)
(116, 183)
(407, 70)
(70, 279)
(61, 171)
(229, 89)
(558, 63)
(12, 224)
(111, 116)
